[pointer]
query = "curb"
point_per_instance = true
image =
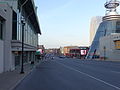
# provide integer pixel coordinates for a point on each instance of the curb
(19, 81)
(13, 87)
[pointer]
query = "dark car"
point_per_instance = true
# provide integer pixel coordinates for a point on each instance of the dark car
(61, 56)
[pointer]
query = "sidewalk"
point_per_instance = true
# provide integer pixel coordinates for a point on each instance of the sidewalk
(9, 80)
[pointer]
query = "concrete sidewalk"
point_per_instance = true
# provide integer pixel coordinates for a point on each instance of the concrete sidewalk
(9, 80)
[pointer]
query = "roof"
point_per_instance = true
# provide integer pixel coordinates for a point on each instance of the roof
(29, 8)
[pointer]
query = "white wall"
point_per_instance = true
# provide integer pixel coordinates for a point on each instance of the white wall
(2, 14)
(7, 39)
(6, 13)
(1, 56)
(110, 52)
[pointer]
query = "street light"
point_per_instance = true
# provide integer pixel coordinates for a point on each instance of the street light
(22, 24)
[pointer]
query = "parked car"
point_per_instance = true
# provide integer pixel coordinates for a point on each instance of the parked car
(61, 56)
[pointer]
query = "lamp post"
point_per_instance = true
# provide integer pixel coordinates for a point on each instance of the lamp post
(22, 25)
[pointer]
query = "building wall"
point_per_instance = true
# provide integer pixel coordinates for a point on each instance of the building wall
(30, 36)
(8, 46)
(2, 16)
(107, 47)
(95, 22)
(6, 13)
(7, 39)
(105, 28)
(67, 49)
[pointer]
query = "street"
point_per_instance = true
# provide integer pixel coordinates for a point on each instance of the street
(73, 74)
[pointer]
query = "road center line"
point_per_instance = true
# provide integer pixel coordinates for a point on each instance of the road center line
(118, 88)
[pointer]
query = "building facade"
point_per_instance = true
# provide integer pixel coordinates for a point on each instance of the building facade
(5, 37)
(75, 51)
(110, 47)
(12, 13)
(94, 24)
(103, 45)
(66, 49)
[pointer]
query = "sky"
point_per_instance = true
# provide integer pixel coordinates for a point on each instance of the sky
(67, 22)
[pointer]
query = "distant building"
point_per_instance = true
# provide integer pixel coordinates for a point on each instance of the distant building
(66, 49)
(12, 15)
(53, 51)
(75, 51)
(95, 22)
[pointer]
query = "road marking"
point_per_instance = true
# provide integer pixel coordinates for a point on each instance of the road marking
(118, 88)
(116, 72)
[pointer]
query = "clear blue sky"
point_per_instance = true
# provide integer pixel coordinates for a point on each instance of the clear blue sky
(67, 22)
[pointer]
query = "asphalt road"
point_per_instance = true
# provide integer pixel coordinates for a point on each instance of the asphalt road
(73, 74)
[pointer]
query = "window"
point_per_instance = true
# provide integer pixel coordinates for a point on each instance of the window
(14, 26)
(117, 44)
(118, 27)
(1, 30)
